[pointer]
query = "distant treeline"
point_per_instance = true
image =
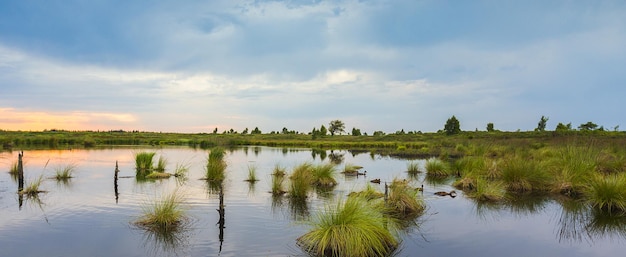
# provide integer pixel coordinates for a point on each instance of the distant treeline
(413, 144)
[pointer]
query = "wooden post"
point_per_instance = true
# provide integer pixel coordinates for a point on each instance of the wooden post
(222, 219)
(117, 195)
(20, 171)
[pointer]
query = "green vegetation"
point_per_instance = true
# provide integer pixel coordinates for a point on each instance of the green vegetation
(277, 185)
(351, 169)
(413, 168)
(32, 189)
(143, 163)
(608, 194)
(279, 171)
(64, 172)
(350, 228)
(436, 167)
(488, 191)
(524, 175)
(252, 174)
(164, 214)
(301, 180)
(403, 202)
(161, 164)
(216, 166)
(324, 175)
(369, 193)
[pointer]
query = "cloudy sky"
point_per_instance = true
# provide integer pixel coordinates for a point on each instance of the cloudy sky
(192, 66)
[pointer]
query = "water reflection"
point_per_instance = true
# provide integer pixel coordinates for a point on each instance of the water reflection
(298, 208)
(165, 242)
(336, 157)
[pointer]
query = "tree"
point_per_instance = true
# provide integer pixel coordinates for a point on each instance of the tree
(452, 126)
(245, 131)
(336, 126)
(215, 131)
(588, 126)
(285, 131)
(323, 131)
(563, 127)
(541, 126)
(356, 132)
(256, 131)
(490, 127)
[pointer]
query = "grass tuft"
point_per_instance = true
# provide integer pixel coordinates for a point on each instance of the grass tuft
(216, 166)
(607, 193)
(143, 163)
(64, 172)
(350, 228)
(324, 175)
(413, 168)
(252, 174)
(163, 214)
(523, 175)
(32, 189)
(436, 167)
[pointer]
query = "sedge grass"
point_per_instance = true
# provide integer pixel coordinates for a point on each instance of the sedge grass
(488, 191)
(252, 174)
(181, 170)
(350, 228)
(143, 163)
(573, 167)
(158, 175)
(324, 175)
(165, 214)
(161, 164)
(279, 170)
(216, 166)
(403, 201)
(413, 167)
(277, 185)
(64, 172)
(32, 189)
(351, 168)
(436, 167)
(607, 193)
(301, 180)
(523, 175)
(369, 193)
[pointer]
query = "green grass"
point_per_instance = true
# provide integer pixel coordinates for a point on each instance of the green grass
(488, 191)
(608, 193)
(436, 167)
(161, 164)
(324, 175)
(277, 185)
(523, 175)
(573, 167)
(181, 170)
(350, 228)
(252, 174)
(301, 180)
(163, 214)
(64, 172)
(351, 168)
(403, 201)
(413, 167)
(369, 193)
(143, 163)
(32, 189)
(216, 166)
(158, 175)
(279, 170)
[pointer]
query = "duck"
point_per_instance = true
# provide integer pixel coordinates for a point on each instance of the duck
(442, 193)
(377, 181)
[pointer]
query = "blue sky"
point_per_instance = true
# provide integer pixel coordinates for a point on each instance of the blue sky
(192, 66)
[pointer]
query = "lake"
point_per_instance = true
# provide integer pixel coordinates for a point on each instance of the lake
(85, 216)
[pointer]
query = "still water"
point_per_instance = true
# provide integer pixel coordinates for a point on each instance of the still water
(85, 216)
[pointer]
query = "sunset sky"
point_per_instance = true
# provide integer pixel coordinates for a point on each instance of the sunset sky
(192, 66)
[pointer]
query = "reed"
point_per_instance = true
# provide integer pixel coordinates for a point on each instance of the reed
(413, 167)
(64, 172)
(161, 164)
(524, 175)
(252, 174)
(32, 189)
(436, 167)
(301, 181)
(350, 228)
(351, 169)
(277, 185)
(369, 193)
(163, 214)
(324, 175)
(279, 170)
(573, 167)
(607, 193)
(216, 166)
(143, 163)
(181, 170)
(403, 201)
(488, 191)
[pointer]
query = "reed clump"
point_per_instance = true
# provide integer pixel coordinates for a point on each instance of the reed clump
(165, 214)
(32, 189)
(143, 163)
(216, 166)
(351, 169)
(279, 170)
(573, 168)
(524, 175)
(64, 172)
(252, 174)
(277, 185)
(161, 164)
(436, 167)
(413, 168)
(403, 201)
(487, 191)
(301, 180)
(607, 193)
(350, 228)
(324, 175)
(369, 193)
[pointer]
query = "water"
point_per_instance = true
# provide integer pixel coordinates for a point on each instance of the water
(84, 218)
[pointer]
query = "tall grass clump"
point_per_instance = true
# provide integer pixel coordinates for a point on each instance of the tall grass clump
(143, 163)
(436, 167)
(32, 189)
(279, 170)
(301, 180)
(523, 175)
(64, 172)
(351, 169)
(161, 164)
(369, 193)
(403, 201)
(216, 166)
(165, 214)
(350, 228)
(608, 193)
(277, 185)
(413, 167)
(324, 175)
(252, 174)
(181, 170)
(488, 191)
(573, 167)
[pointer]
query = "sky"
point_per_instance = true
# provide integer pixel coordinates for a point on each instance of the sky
(193, 66)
